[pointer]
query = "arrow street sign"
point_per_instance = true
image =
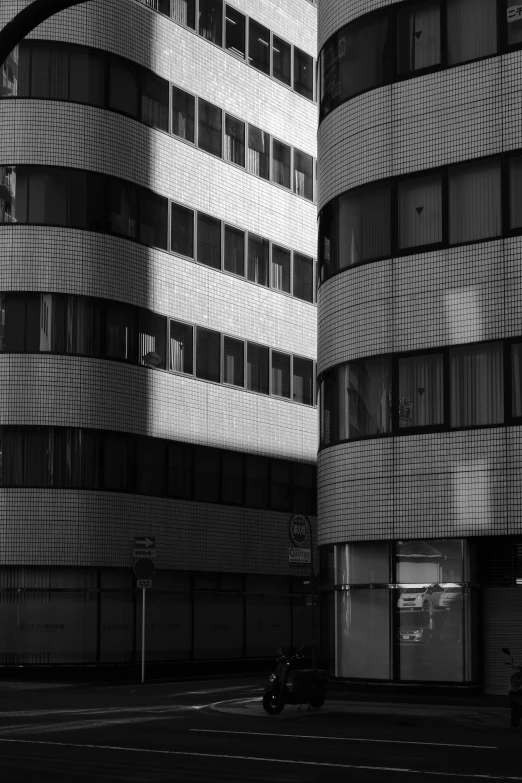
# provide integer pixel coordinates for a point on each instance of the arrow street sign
(145, 542)
(142, 584)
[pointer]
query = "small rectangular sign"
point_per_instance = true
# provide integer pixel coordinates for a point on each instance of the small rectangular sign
(144, 583)
(298, 555)
(144, 553)
(514, 13)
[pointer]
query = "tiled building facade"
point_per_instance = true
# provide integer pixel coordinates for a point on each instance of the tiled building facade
(420, 331)
(157, 364)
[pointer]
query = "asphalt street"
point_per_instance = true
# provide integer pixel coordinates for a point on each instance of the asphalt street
(217, 731)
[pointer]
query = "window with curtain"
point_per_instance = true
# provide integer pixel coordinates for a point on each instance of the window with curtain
(356, 227)
(121, 205)
(49, 71)
(257, 481)
(259, 46)
(420, 400)
(281, 155)
(180, 470)
(257, 368)
(184, 12)
(257, 262)
(209, 241)
(47, 196)
(474, 200)
(121, 332)
(181, 347)
(420, 211)
(516, 379)
(280, 484)
(52, 326)
(234, 141)
(183, 114)
(152, 335)
(118, 460)
(233, 362)
(163, 6)
(234, 260)
(182, 230)
(280, 269)
(472, 29)
(303, 277)
(258, 152)
(303, 74)
(123, 86)
(211, 20)
(280, 374)
(303, 380)
(151, 466)
(87, 76)
(232, 478)
(207, 475)
(154, 218)
(303, 175)
(418, 36)
(84, 326)
(476, 385)
(208, 354)
(235, 24)
(87, 206)
(209, 128)
(281, 60)
(154, 100)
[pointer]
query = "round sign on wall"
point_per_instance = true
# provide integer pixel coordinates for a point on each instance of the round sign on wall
(298, 528)
(144, 568)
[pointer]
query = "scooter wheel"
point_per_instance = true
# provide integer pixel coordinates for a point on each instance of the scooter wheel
(516, 715)
(271, 705)
(317, 700)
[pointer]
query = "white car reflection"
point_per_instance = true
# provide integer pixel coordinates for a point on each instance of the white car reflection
(420, 597)
(451, 595)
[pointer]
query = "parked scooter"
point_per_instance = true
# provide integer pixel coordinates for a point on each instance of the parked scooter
(308, 686)
(515, 689)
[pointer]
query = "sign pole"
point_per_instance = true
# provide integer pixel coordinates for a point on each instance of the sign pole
(143, 637)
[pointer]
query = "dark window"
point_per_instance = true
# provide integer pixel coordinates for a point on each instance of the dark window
(14, 323)
(477, 385)
(420, 400)
(234, 251)
(209, 127)
(180, 470)
(472, 29)
(123, 88)
(207, 474)
(303, 488)
(420, 211)
(32, 328)
(118, 462)
(182, 230)
(208, 352)
(303, 175)
(257, 368)
(181, 347)
(280, 374)
(257, 481)
(121, 203)
(151, 454)
(303, 277)
(152, 332)
(91, 456)
(23, 87)
(257, 270)
(233, 361)
(87, 79)
(281, 163)
(259, 46)
(303, 74)
(163, 6)
(153, 219)
(258, 152)
(280, 269)
(303, 382)
(183, 110)
(47, 191)
(211, 20)
(515, 192)
(281, 63)
(516, 379)
(184, 12)
(232, 477)
(87, 204)
(418, 36)
(51, 325)
(121, 330)
(49, 71)
(280, 480)
(84, 326)
(209, 241)
(235, 31)
(234, 141)
(474, 201)
(154, 100)
(37, 457)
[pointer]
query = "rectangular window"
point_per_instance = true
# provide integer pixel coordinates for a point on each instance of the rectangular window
(258, 152)
(183, 113)
(52, 323)
(91, 442)
(118, 462)
(303, 74)
(152, 336)
(281, 62)
(123, 86)
(232, 477)
(357, 227)
(234, 251)
(207, 474)
(47, 196)
(84, 326)
(163, 6)
(209, 128)
(474, 201)
(257, 270)
(233, 362)
(151, 473)
(120, 332)
(184, 12)
(211, 20)
(234, 141)
(472, 29)
(208, 354)
(281, 163)
(23, 84)
(257, 368)
(49, 71)
(420, 211)
(259, 46)
(516, 379)
(303, 175)
(154, 100)
(477, 385)
(235, 31)
(303, 488)
(180, 476)
(87, 78)
(209, 241)
(280, 269)
(182, 230)
(418, 36)
(303, 380)
(181, 347)
(280, 482)
(280, 374)
(121, 204)
(515, 192)
(303, 277)
(14, 323)
(153, 225)
(420, 400)
(257, 482)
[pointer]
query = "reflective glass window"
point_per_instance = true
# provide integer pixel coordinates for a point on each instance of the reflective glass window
(87, 203)
(281, 60)
(152, 337)
(154, 100)
(516, 379)
(208, 354)
(182, 230)
(234, 141)
(235, 24)
(515, 192)
(49, 71)
(183, 113)
(153, 222)
(123, 86)
(87, 76)
(180, 470)
(259, 46)
(233, 361)
(303, 380)
(257, 368)
(234, 251)
(258, 152)
(280, 485)
(257, 269)
(232, 477)
(280, 269)
(257, 481)
(281, 155)
(13, 189)
(209, 128)
(209, 241)
(207, 475)
(363, 637)
(121, 204)
(181, 347)
(420, 400)
(474, 201)
(303, 175)
(121, 331)
(303, 488)
(280, 374)
(163, 6)
(14, 323)
(477, 385)
(118, 461)
(23, 85)
(47, 191)
(303, 277)
(184, 12)
(51, 325)
(211, 20)
(420, 211)
(472, 29)
(85, 318)
(418, 36)
(151, 466)
(303, 74)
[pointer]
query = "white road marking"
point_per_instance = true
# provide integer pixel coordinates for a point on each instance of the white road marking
(344, 739)
(102, 710)
(220, 690)
(269, 761)
(46, 728)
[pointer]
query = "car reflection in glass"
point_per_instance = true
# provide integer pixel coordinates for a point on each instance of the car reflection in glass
(412, 631)
(451, 596)
(420, 597)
